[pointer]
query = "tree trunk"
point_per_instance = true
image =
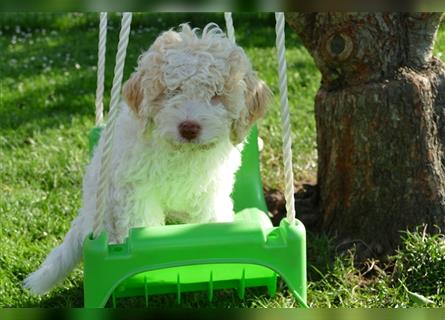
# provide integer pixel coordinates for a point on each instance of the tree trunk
(380, 115)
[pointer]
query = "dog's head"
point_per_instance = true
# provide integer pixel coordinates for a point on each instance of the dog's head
(190, 89)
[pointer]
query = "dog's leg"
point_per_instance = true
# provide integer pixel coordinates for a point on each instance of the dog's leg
(148, 213)
(223, 212)
(60, 261)
(214, 209)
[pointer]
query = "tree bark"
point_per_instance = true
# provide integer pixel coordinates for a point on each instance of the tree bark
(380, 116)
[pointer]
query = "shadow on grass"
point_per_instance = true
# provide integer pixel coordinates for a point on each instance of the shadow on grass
(73, 298)
(63, 298)
(320, 255)
(47, 107)
(39, 99)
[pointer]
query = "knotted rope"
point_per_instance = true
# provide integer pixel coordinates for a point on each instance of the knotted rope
(285, 119)
(101, 68)
(229, 26)
(102, 193)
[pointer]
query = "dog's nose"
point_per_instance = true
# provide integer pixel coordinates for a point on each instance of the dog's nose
(189, 129)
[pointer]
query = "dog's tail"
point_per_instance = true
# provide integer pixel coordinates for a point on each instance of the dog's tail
(59, 262)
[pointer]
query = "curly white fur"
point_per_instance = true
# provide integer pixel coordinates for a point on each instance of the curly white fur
(159, 176)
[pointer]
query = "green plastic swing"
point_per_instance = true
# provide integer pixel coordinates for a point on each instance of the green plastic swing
(249, 252)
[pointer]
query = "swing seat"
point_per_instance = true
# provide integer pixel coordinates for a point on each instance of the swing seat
(249, 252)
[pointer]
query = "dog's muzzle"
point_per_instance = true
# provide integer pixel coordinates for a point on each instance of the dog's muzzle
(189, 130)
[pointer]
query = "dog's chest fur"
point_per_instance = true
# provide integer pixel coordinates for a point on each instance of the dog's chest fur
(179, 179)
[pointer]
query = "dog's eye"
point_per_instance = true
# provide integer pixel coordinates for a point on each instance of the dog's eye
(216, 99)
(173, 92)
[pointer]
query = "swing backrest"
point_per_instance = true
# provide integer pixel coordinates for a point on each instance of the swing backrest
(248, 189)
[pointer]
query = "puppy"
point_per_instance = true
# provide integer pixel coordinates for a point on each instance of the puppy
(177, 143)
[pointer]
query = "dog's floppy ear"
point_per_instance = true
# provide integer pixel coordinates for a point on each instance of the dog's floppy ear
(133, 92)
(146, 84)
(257, 97)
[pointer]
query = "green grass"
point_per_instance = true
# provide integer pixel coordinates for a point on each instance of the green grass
(48, 80)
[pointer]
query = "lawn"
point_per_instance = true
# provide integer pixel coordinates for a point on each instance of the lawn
(48, 81)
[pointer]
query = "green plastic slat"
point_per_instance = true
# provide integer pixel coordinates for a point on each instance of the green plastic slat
(146, 290)
(242, 288)
(178, 289)
(211, 286)
(272, 286)
(113, 295)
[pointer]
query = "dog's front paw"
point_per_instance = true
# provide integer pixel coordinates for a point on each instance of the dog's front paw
(223, 217)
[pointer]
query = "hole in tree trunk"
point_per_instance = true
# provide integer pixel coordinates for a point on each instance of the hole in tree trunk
(339, 46)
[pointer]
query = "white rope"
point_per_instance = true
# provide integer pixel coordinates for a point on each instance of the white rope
(102, 193)
(229, 26)
(101, 68)
(285, 119)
